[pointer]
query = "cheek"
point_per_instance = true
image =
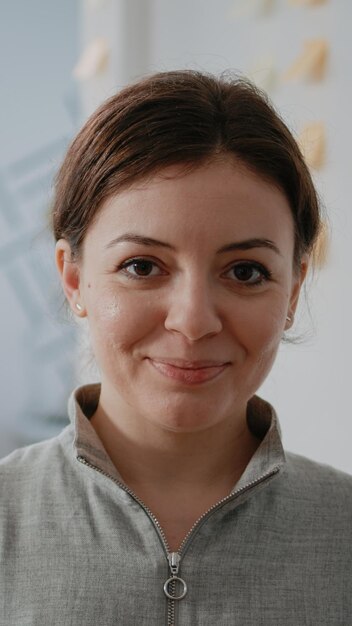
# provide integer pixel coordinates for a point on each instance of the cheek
(263, 326)
(117, 322)
(267, 338)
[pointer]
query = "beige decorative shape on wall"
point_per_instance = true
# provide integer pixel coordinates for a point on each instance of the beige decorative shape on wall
(321, 248)
(312, 142)
(308, 2)
(93, 60)
(266, 7)
(312, 62)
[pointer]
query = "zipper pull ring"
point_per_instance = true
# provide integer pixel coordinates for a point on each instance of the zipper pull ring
(170, 585)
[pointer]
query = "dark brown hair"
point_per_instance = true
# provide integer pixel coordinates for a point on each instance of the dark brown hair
(180, 117)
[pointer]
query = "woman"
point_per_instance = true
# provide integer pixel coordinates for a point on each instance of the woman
(185, 218)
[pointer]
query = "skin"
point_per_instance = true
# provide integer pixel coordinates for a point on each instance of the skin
(174, 427)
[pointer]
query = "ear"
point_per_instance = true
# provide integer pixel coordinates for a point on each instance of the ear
(298, 280)
(70, 276)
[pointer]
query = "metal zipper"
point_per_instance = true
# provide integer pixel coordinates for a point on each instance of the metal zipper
(171, 584)
(218, 504)
(174, 558)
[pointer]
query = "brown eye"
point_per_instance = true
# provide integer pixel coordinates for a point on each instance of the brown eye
(246, 273)
(140, 268)
(250, 274)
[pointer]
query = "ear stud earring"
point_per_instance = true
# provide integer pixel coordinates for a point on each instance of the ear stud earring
(289, 318)
(78, 306)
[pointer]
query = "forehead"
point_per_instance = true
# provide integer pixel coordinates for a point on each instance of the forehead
(210, 202)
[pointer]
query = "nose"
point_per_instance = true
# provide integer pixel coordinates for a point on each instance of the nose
(192, 309)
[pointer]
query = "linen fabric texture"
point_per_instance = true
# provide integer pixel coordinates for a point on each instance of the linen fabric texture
(77, 549)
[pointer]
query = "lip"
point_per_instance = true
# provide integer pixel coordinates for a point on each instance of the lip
(189, 372)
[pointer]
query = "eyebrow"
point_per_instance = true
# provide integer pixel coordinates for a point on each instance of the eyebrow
(143, 241)
(247, 244)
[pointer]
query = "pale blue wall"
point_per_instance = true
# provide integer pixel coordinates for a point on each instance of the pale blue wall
(38, 48)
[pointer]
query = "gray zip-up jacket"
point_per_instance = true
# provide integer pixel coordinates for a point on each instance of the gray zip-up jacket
(77, 548)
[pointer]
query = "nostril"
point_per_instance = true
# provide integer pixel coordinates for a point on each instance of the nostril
(194, 326)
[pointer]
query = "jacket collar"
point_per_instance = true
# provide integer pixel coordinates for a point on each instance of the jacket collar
(263, 422)
(81, 407)
(261, 419)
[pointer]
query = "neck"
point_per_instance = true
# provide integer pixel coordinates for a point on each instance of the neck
(145, 453)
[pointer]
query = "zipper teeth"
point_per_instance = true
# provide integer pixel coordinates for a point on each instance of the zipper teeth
(83, 460)
(252, 483)
(171, 607)
(171, 603)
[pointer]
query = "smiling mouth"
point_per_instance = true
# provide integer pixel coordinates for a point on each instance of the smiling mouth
(189, 372)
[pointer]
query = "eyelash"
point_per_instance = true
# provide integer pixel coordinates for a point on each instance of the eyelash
(266, 275)
(123, 266)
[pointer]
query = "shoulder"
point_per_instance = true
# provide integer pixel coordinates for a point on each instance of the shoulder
(36, 452)
(318, 485)
(34, 463)
(314, 472)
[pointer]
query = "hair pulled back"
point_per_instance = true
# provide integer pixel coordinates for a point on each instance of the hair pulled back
(186, 117)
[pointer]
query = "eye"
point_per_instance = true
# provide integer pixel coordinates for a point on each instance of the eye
(140, 268)
(249, 273)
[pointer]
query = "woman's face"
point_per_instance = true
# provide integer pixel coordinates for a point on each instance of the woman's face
(186, 281)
